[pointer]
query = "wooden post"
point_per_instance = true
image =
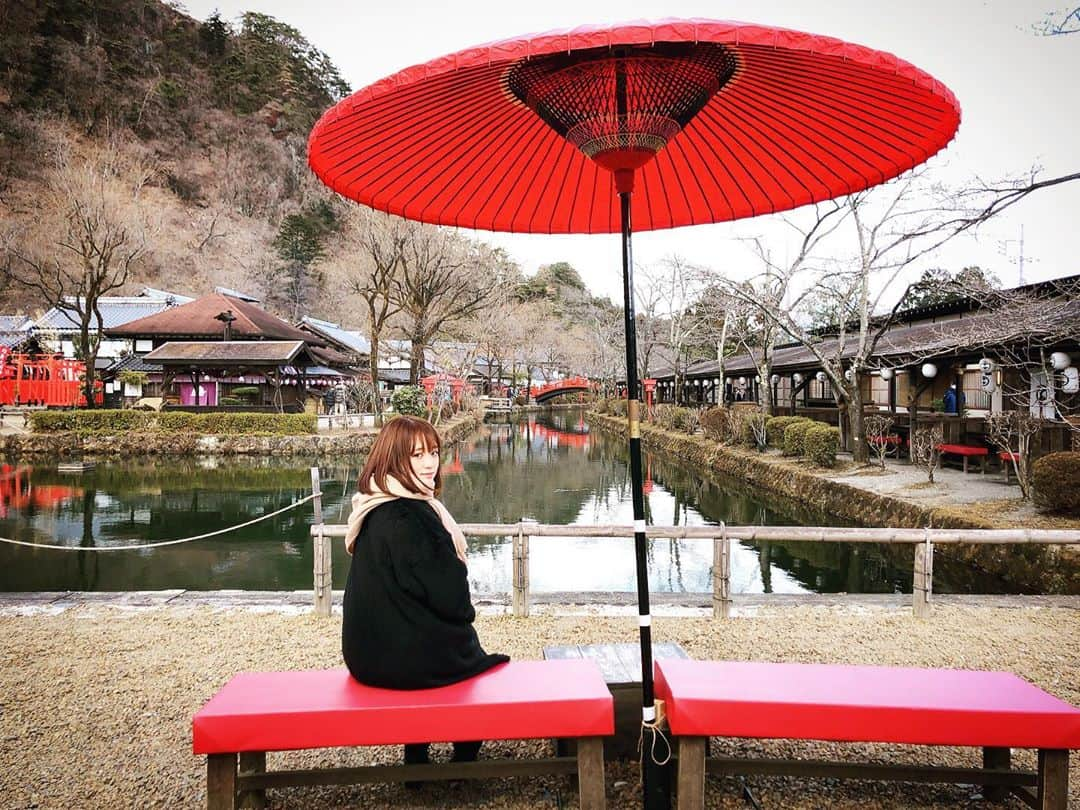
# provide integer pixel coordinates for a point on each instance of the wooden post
(221, 782)
(721, 575)
(321, 553)
(252, 763)
(690, 782)
(521, 569)
(923, 587)
(1052, 791)
(590, 762)
(998, 759)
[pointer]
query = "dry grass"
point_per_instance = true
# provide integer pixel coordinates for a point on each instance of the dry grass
(96, 704)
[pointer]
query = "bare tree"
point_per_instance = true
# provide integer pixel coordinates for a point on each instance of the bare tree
(444, 279)
(89, 240)
(878, 436)
(925, 441)
(678, 287)
(368, 261)
(1059, 23)
(1012, 433)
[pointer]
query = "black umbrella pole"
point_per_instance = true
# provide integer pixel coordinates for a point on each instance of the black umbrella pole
(655, 794)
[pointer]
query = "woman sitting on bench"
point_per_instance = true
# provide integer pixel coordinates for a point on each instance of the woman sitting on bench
(407, 611)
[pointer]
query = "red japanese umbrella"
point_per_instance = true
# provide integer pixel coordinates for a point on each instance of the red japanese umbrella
(663, 124)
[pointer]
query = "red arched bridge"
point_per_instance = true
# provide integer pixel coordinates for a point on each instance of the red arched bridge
(557, 388)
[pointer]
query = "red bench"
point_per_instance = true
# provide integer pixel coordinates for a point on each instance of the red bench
(256, 712)
(1007, 460)
(996, 711)
(966, 451)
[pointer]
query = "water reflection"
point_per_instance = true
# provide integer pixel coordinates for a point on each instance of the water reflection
(550, 469)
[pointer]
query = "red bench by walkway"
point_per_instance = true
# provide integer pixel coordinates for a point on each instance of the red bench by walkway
(966, 451)
(996, 711)
(256, 712)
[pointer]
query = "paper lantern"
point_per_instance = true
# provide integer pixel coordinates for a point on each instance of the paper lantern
(929, 370)
(820, 376)
(887, 373)
(774, 379)
(1070, 383)
(986, 365)
(798, 378)
(1060, 361)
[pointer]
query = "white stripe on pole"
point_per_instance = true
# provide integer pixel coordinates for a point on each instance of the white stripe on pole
(639, 526)
(648, 714)
(644, 621)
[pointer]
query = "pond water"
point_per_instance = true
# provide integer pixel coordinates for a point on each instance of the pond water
(548, 467)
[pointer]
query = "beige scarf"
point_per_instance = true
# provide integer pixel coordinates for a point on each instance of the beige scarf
(362, 504)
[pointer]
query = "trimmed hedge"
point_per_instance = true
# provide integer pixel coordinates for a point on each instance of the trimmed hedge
(114, 421)
(795, 437)
(716, 424)
(776, 425)
(1055, 481)
(820, 444)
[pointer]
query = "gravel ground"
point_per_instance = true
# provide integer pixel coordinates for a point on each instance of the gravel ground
(96, 703)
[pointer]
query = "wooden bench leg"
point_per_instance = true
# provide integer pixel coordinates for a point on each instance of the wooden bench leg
(1053, 784)
(691, 777)
(252, 762)
(590, 764)
(221, 782)
(965, 464)
(998, 759)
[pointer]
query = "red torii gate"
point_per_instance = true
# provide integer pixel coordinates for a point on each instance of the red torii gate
(49, 380)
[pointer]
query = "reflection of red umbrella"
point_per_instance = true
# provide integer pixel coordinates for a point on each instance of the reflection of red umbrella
(707, 121)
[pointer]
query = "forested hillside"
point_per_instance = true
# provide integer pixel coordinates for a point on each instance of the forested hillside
(205, 122)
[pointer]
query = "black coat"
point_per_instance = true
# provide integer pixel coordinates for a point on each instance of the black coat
(407, 613)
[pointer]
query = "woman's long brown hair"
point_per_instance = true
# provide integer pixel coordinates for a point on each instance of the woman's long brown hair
(392, 451)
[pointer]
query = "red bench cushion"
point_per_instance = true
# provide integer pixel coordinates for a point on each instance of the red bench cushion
(862, 703)
(282, 711)
(963, 450)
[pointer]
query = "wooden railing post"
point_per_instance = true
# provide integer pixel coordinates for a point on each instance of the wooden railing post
(721, 575)
(521, 568)
(321, 552)
(923, 586)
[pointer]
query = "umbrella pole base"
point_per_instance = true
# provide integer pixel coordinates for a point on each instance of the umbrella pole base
(656, 779)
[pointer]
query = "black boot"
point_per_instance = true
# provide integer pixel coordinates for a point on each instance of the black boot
(416, 754)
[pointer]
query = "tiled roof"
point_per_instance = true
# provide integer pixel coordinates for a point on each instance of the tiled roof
(232, 352)
(133, 362)
(342, 338)
(13, 339)
(198, 320)
(15, 323)
(114, 312)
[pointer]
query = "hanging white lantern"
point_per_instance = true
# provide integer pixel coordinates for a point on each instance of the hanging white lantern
(887, 373)
(798, 378)
(757, 379)
(929, 370)
(1070, 383)
(820, 376)
(986, 365)
(986, 382)
(1060, 361)
(742, 381)
(774, 379)
(849, 375)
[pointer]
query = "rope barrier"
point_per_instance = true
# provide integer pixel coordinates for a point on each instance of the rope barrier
(164, 542)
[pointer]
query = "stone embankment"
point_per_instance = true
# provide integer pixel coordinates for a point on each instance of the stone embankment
(1039, 568)
(158, 443)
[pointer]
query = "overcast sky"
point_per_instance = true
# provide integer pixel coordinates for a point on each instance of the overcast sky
(1017, 92)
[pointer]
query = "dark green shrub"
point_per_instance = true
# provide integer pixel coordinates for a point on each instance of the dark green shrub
(820, 444)
(775, 427)
(248, 392)
(1055, 481)
(795, 437)
(234, 401)
(97, 421)
(409, 400)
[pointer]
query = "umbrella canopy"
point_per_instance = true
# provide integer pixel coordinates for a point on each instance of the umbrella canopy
(784, 118)
(660, 124)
